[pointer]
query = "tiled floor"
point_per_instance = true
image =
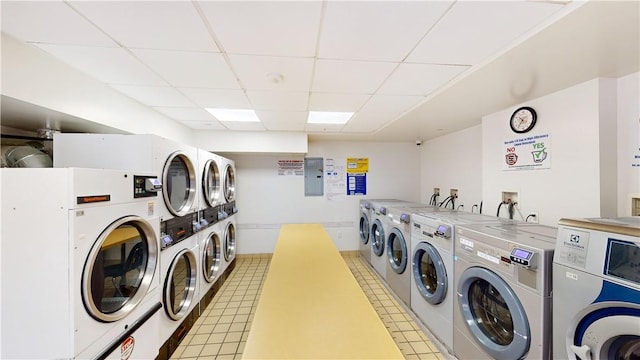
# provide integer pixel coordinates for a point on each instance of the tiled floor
(223, 328)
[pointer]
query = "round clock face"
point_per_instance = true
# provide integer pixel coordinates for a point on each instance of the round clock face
(523, 120)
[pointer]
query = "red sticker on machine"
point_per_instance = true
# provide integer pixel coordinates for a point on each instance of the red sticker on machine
(126, 348)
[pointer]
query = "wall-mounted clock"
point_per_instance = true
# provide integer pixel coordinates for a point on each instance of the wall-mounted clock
(523, 120)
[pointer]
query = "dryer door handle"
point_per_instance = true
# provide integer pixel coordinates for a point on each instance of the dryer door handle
(583, 352)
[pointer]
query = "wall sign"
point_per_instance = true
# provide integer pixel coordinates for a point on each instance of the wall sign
(334, 175)
(527, 153)
(290, 167)
(357, 169)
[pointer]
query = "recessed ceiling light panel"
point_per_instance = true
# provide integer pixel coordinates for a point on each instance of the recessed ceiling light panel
(242, 115)
(328, 117)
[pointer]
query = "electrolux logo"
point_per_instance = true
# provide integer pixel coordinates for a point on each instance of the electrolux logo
(574, 242)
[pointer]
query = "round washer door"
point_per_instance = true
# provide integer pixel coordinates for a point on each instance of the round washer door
(397, 252)
(179, 184)
(493, 314)
(377, 237)
(364, 228)
(211, 257)
(180, 284)
(211, 183)
(429, 273)
(609, 330)
(229, 183)
(229, 241)
(119, 269)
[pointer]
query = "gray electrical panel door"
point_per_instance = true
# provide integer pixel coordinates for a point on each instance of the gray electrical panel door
(313, 177)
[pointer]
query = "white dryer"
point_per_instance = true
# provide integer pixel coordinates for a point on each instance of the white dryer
(502, 278)
(210, 186)
(211, 262)
(228, 167)
(175, 164)
(80, 265)
(596, 289)
(379, 232)
(180, 284)
(364, 231)
(228, 243)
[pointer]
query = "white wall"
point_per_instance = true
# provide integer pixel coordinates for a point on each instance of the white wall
(266, 200)
(628, 141)
(453, 161)
(287, 142)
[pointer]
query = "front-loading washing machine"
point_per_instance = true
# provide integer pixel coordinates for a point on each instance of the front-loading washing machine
(80, 272)
(596, 289)
(180, 283)
(397, 248)
(210, 186)
(364, 231)
(432, 269)
(379, 232)
(211, 260)
(175, 164)
(502, 278)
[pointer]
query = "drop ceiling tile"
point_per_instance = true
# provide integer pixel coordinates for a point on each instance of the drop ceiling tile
(217, 98)
(190, 69)
(204, 125)
(323, 128)
(282, 101)
(419, 79)
(489, 26)
(168, 25)
(155, 95)
(244, 126)
(352, 77)
(366, 123)
(389, 105)
(337, 102)
(376, 30)
(109, 65)
(186, 113)
(40, 22)
(283, 120)
(253, 70)
(287, 28)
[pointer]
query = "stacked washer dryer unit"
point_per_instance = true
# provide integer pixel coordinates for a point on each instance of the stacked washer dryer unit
(365, 231)
(80, 272)
(503, 283)
(398, 247)
(379, 232)
(175, 165)
(228, 210)
(596, 289)
(432, 264)
(210, 238)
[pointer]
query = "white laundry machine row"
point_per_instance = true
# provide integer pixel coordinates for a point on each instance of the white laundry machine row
(503, 297)
(432, 264)
(379, 232)
(596, 289)
(80, 272)
(174, 164)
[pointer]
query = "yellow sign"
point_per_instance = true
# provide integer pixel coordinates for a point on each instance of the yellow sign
(357, 165)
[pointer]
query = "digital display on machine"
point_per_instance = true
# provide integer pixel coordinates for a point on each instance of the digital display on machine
(523, 257)
(623, 260)
(442, 229)
(521, 253)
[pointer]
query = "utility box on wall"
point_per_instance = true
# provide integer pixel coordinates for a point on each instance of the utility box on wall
(313, 176)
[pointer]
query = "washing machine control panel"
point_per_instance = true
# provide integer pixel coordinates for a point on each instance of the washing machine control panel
(443, 231)
(524, 257)
(146, 186)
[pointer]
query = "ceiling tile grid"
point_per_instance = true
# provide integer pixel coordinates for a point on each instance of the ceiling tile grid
(379, 59)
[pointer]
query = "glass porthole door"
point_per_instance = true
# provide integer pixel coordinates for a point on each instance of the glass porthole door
(211, 183)
(211, 257)
(229, 183)
(364, 229)
(397, 251)
(430, 273)
(180, 285)
(377, 238)
(229, 241)
(179, 184)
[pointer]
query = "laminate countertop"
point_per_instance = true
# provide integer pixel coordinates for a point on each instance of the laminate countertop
(311, 306)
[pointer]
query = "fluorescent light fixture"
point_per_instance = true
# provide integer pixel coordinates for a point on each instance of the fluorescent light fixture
(328, 117)
(243, 115)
